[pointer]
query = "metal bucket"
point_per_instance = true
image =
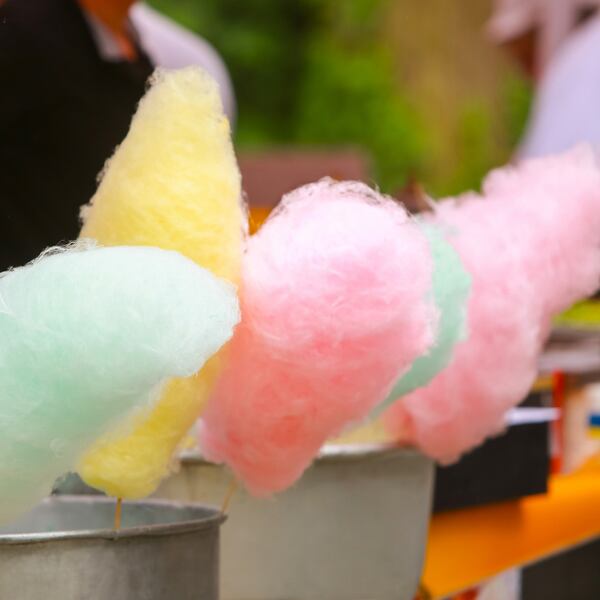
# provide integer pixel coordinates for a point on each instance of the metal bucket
(65, 549)
(353, 528)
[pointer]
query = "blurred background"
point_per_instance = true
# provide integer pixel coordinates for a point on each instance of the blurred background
(416, 88)
(406, 95)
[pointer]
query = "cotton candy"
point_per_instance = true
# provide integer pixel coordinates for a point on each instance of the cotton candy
(531, 243)
(85, 337)
(336, 304)
(173, 183)
(451, 287)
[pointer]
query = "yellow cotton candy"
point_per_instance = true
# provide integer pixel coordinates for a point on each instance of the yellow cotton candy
(131, 465)
(173, 183)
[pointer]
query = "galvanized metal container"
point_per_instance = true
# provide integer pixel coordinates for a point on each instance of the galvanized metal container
(65, 549)
(353, 528)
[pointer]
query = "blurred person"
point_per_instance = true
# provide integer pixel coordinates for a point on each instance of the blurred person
(534, 30)
(566, 108)
(558, 44)
(72, 73)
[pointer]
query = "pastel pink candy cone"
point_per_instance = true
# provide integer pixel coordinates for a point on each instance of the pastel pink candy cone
(336, 304)
(531, 243)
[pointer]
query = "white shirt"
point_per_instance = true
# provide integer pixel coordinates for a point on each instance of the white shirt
(171, 46)
(566, 110)
(168, 45)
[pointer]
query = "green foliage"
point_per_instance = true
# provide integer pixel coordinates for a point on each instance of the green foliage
(518, 95)
(345, 100)
(310, 72)
(263, 43)
(487, 135)
(317, 72)
(475, 146)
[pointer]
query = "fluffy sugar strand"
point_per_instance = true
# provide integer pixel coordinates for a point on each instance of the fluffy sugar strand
(336, 303)
(87, 336)
(451, 288)
(531, 243)
(173, 183)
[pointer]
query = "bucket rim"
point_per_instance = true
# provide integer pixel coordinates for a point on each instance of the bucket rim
(332, 453)
(212, 520)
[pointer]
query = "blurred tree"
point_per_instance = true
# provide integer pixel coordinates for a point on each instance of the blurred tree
(472, 100)
(349, 94)
(344, 100)
(518, 94)
(378, 74)
(264, 45)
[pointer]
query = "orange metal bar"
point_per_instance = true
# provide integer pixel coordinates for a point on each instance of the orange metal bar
(466, 547)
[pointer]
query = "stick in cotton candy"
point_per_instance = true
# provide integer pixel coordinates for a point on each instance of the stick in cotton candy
(336, 303)
(85, 337)
(532, 246)
(173, 183)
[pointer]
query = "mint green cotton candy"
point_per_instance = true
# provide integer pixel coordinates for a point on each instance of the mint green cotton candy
(451, 286)
(86, 336)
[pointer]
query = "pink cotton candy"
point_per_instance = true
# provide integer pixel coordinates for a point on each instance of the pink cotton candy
(336, 304)
(532, 246)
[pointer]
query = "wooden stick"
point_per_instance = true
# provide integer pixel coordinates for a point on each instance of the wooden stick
(118, 508)
(229, 495)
